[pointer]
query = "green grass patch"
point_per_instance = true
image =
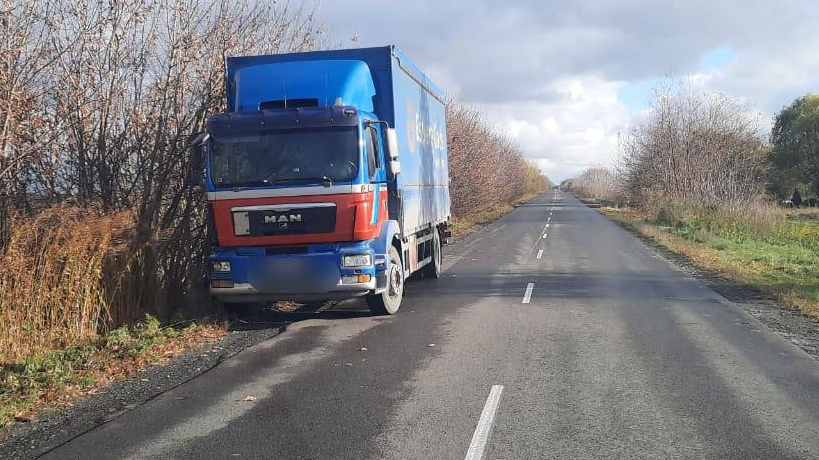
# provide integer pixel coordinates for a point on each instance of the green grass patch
(60, 376)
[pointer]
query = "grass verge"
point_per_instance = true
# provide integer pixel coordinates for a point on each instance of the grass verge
(781, 262)
(60, 377)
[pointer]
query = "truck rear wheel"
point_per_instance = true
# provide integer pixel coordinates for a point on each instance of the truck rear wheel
(388, 302)
(433, 268)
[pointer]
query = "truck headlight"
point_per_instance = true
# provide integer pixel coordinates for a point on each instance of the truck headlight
(358, 260)
(220, 266)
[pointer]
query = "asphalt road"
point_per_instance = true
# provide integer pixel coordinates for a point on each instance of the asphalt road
(614, 353)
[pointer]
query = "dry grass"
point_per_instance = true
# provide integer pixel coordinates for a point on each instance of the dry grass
(52, 291)
(61, 279)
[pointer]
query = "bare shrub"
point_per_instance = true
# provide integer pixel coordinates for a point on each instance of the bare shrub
(487, 169)
(700, 147)
(597, 182)
(98, 100)
(26, 52)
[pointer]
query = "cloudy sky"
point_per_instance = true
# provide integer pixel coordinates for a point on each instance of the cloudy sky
(565, 77)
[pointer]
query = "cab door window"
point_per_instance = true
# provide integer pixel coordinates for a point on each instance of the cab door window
(373, 155)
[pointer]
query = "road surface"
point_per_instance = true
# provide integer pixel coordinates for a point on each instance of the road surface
(552, 334)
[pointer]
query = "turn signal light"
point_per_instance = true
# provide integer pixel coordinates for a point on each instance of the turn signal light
(353, 279)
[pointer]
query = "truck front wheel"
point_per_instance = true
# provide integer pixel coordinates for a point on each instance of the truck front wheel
(388, 302)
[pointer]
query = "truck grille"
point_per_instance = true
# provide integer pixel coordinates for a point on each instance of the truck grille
(296, 219)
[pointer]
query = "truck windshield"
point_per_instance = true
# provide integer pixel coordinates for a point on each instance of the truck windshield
(303, 155)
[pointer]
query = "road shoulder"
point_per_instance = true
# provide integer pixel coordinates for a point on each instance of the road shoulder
(791, 324)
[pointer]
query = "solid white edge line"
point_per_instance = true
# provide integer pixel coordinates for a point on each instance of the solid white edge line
(481, 435)
(527, 296)
(540, 254)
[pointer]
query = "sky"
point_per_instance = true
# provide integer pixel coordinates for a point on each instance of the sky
(564, 77)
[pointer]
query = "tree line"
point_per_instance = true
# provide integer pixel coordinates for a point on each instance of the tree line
(713, 150)
(487, 168)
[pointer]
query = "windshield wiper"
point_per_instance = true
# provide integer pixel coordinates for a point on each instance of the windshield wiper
(245, 184)
(324, 179)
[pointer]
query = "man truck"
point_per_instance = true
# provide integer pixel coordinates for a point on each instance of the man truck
(326, 179)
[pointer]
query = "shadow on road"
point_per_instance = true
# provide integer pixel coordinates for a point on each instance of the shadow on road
(274, 316)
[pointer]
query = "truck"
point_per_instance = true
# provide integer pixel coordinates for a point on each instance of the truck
(326, 178)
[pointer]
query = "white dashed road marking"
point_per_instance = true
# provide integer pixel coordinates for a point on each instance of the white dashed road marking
(527, 296)
(481, 436)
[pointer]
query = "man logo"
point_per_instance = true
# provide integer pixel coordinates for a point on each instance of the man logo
(283, 218)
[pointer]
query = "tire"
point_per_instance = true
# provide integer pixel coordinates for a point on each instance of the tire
(389, 301)
(432, 270)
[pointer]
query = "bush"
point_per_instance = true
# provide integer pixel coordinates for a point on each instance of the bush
(599, 183)
(486, 168)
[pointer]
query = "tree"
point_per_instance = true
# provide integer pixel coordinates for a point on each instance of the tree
(795, 142)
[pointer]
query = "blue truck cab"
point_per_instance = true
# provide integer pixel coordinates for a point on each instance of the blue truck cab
(327, 178)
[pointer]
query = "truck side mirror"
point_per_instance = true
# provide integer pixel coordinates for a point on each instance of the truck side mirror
(393, 165)
(197, 160)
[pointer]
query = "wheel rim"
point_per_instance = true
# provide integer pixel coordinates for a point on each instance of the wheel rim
(395, 282)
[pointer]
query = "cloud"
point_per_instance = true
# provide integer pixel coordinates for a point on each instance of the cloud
(576, 130)
(564, 77)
